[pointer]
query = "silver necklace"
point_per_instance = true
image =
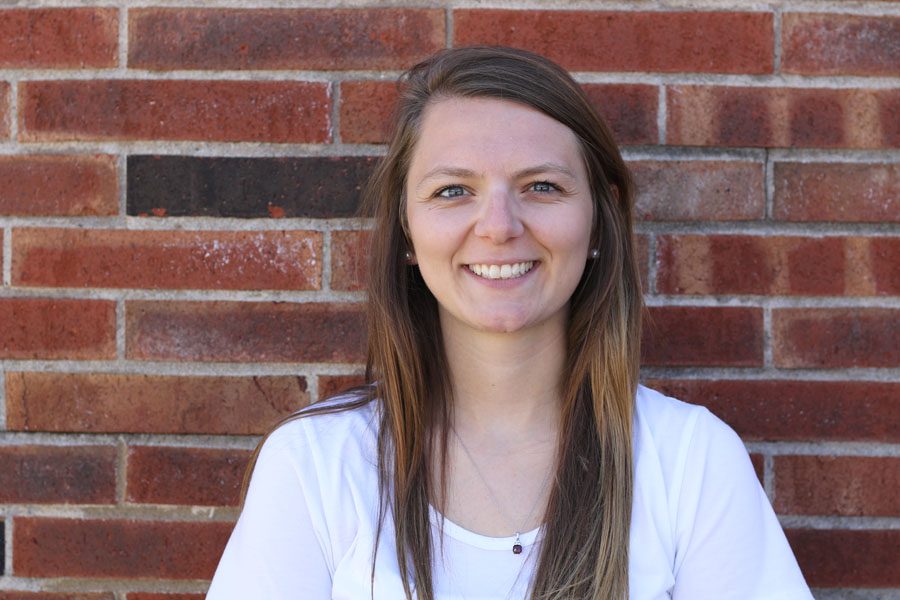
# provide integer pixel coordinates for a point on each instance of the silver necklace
(517, 543)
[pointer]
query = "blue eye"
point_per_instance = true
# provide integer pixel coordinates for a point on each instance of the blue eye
(451, 191)
(543, 186)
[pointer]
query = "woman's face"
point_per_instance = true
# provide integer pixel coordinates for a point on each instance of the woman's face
(500, 214)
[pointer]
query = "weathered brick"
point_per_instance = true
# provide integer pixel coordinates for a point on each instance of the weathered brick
(104, 258)
(61, 38)
(759, 465)
(192, 476)
(699, 190)
(702, 336)
(57, 474)
(707, 42)
(104, 402)
(837, 192)
(245, 331)
(43, 328)
(629, 110)
(840, 558)
(58, 186)
(349, 264)
(777, 265)
(382, 38)
(784, 117)
(835, 44)
(796, 410)
(309, 186)
(837, 485)
(223, 111)
(366, 108)
(828, 338)
(49, 547)
(331, 385)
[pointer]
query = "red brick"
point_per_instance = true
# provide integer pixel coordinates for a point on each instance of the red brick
(349, 251)
(332, 385)
(707, 42)
(778, 265)
(61, 38)
(103, 402)
(783, 117)
(8, 595)
(823, 338)
(699, 190)
(366, 109)
(234, 260)
(383, 38)
(837, 485)
(838, 558)
(192, 476)
(43, 328)
(222, 111)
(145, 596)
(797, 410)
(58, 186)
(629, 110)
(245, 332)
(835, 44)
(117, 548)
(837, 192)
(702, 336)
(56, 474)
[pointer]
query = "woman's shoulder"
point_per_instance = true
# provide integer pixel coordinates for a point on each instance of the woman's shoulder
(332, 427)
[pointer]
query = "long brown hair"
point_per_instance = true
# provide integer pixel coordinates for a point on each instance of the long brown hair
(584, 551)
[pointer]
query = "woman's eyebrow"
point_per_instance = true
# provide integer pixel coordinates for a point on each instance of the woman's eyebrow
(548, 167)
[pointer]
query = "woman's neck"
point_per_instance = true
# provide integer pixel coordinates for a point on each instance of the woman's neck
(506, 386)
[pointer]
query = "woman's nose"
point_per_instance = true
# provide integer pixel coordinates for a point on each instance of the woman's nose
(499, 219)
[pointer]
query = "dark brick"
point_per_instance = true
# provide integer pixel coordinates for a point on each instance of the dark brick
(57, 474)
(51, 547)
(792, 410)
(374, 38)
(245, 331)
(702, 336)
(840, 558)
(317, 187)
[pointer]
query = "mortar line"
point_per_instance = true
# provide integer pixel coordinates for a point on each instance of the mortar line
(769, 174)
(122, 181)
(2, 400)
(776, 33)
(13, 112)
(121, 470)
(7, 256)
(7, 545)
(662, 114)
(769, 476)
(653, 263)
(122, 57)
(334, 89)
(449, 25)
(767, 337)
(120, 329)
(326, 261)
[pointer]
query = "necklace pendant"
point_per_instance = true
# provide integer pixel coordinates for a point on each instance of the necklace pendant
(517, 547)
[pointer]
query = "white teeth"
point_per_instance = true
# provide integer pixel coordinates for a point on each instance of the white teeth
(507, 271)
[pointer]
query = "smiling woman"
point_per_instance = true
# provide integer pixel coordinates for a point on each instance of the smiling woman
(502, 447)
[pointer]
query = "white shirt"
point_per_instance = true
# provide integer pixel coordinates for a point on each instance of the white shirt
(701, 528)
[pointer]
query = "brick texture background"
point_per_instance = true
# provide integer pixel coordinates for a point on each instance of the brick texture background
(181, 264)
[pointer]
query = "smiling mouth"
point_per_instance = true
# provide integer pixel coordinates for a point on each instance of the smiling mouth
(508, 271)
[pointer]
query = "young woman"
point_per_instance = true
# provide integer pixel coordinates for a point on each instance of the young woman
(503, 447)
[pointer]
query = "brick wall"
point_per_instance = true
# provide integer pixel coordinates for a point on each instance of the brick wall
(162, 163)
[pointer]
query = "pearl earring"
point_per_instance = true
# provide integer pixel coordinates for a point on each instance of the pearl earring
(595, 253)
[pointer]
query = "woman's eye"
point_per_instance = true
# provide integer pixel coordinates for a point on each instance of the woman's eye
(451, 191)
(542, 186)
